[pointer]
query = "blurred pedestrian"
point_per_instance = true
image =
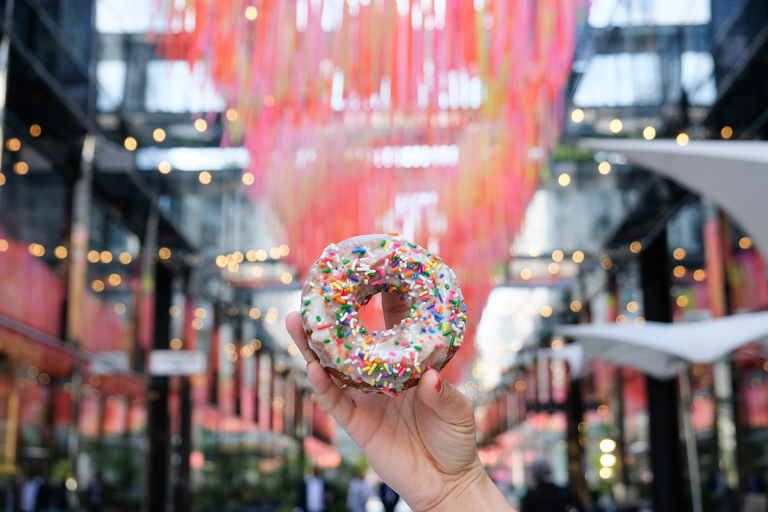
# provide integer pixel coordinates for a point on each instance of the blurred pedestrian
(388, 497)
(32, 497)
(312, 496)
(544, 495)
(96, 493)
(358, 493)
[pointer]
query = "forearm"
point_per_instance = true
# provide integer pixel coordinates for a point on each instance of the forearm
(475, 492)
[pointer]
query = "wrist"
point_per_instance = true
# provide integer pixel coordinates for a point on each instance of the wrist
(472, 491)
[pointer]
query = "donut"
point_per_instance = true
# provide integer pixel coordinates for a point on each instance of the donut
(346, 276)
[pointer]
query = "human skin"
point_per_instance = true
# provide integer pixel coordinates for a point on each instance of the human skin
(422, 443)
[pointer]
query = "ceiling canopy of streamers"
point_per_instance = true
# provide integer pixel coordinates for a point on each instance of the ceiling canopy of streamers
(427, 117)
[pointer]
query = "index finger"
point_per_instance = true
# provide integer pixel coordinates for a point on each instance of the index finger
(296, 330)
(394, 309)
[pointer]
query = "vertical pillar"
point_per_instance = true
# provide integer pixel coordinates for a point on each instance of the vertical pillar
(621, 451)
(5, 51)
(666, 460)
(158, 421)
(182, 490)
(76, 285)
(574, 410)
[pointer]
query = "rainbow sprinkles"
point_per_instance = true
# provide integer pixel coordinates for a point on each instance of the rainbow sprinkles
(346, 276)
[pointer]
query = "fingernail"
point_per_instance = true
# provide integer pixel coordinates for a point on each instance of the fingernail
(309, 363)
(439, 385)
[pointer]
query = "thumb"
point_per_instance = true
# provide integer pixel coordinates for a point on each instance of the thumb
(448, 403)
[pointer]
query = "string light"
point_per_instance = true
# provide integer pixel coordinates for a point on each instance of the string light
(21, 168)
(679, 271)
(604, 168)
(649, 133)
(231, 114)
(635, 247)
(564, 180)
(682, 139)
(745, 242)
(158, 134)
(130, 143)
(13, 144)
(105, 257)
(577, 115)
(578, 257)
(201, 125)
(248, 179)
(557, 255)
(616, 126)
(36, 250)
(251, 13)
(60, 252)
(35, 130)
(164, 167)
(164, 253)
(576, 306)
(726, 132)
(205, 177)
(125, 258)
(678, 253)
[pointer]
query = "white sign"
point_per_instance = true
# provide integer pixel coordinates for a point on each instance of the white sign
(177, 362)
(110, 362)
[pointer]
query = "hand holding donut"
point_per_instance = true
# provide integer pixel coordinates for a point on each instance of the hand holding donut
(422, 443)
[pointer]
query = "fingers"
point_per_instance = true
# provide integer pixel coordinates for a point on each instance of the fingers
(333, 397)
(338, 403)
(394, 309)
(448, 403)
(296, 330)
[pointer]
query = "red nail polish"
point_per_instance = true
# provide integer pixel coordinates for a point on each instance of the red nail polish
(309, 363)
(439, 384)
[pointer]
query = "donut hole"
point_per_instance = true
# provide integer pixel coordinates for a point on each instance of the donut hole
(372, 313)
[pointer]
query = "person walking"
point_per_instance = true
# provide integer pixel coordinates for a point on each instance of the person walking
(312, 493)
(545, 496)
(96, 493)
(32, 496)
(358, 493)
(389, 497)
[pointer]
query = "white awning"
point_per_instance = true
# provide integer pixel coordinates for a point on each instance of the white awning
(731, 174)
(656, 348)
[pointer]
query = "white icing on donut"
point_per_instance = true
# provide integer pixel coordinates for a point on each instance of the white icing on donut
(348, 274)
